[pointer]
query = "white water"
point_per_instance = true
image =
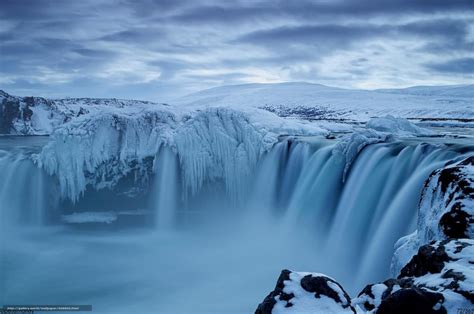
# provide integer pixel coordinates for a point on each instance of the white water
(209, 253)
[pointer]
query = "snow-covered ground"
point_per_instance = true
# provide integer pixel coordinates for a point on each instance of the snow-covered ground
(321, 102)
(303, 101)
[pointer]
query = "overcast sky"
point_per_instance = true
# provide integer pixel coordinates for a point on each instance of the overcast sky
(158, 50)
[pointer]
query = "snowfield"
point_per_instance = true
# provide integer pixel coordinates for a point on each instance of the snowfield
(315, 101)
(302, 101)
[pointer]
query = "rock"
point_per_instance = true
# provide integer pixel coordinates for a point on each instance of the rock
(9, 111)
(298, 292)
(446, 207)
(412, 300)
(438, 279)
(446, 211)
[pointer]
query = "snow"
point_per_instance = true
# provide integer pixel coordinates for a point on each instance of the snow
(338, 103)
(377, 291)
(106, 217)
(291, 100)
(405, 248)
(461, 254)
(90, 217)
(349, 146)
(435, 202)
(212, 144)
(448, 90)
(398, 126)
(306, 302)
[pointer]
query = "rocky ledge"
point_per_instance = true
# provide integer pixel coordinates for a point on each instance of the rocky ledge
(433, 268)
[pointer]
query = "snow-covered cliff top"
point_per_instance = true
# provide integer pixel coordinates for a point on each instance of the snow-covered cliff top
(455, 102)
(40, 116)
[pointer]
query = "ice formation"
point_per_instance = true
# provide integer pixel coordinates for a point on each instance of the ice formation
(212, 144)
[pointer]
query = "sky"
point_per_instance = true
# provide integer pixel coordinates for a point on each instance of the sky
(159, 50)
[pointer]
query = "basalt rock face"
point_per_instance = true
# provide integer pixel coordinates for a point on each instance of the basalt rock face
(446, 210)
(40, 116)
(26, 115)
(297, 292)
(447, 204)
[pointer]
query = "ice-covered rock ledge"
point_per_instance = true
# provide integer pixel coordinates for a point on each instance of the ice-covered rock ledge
(446, 210)
(433, 267)
(211, 144)
(438, 279)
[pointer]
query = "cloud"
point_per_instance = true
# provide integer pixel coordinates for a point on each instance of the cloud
(144, 47)
(463, 66)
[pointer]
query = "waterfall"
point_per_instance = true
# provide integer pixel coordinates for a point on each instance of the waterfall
(356, 222)
(23, 192)
(298, 191)
(166, 188)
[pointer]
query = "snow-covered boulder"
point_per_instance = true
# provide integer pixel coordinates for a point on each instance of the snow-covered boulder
(301, 292)
(438, 279)
(399, 126)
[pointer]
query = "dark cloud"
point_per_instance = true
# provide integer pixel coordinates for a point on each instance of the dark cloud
(312, 10)
(451, 30)
(106, 46)
(463, 65)
(313, 34)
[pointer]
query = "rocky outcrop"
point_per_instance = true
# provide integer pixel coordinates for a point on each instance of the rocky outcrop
(40, 116)
(438, 279)
(447, 204)
(446, 210)
(27, 115)
(297, 292)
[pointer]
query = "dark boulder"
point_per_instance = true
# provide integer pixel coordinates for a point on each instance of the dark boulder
(306, 293)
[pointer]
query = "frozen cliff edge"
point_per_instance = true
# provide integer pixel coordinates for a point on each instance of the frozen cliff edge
(211, 144)
(446, 210)
(98, 142)
(452, 105)
(432, 267)
(41, 116)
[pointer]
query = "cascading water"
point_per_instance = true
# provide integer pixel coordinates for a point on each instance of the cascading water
(299, 210)
(166, 188)
(24, 194)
